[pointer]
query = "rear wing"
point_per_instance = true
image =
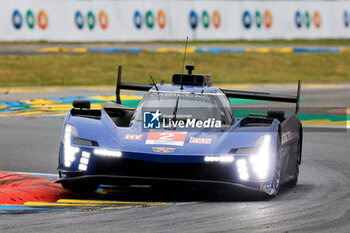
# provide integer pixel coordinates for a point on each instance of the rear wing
(128, 86)
(229, 93)
(265, 96)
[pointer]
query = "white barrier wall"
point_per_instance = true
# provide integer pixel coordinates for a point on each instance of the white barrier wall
(79, 20)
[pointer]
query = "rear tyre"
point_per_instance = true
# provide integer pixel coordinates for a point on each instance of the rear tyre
(80, 188)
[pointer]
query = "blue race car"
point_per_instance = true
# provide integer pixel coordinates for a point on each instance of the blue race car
(184, 133)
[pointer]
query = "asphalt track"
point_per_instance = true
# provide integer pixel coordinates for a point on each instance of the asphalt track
(319, 203)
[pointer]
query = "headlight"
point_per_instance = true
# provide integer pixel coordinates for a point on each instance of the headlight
(108, 153)
(242, 169)
(261, 161)
(222, 159)
(69, 151)
(257, 165)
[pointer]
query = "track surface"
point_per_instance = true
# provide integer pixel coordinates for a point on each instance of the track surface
(319, 203)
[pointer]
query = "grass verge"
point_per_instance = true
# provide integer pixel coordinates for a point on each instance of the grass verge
(100, 69)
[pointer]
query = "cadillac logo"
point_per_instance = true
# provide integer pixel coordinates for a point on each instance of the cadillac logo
(163, 149)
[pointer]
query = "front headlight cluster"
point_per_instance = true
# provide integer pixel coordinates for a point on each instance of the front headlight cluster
(242, 169)
(259, 162)
(255, 166)
(69, 151)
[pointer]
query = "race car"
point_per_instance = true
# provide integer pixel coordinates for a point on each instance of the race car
(183, 133)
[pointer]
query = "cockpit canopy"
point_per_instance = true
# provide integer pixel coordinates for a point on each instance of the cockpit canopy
(183, 105)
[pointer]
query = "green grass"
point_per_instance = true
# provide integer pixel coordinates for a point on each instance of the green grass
(100, 69)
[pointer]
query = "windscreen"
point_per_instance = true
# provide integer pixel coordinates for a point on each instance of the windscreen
(183, 106)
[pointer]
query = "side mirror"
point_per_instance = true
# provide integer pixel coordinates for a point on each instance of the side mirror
(81, 104)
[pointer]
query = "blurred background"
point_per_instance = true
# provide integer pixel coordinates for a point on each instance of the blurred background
(54, 51)
(236, 41)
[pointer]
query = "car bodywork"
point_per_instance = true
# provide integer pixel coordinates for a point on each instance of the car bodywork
(112, 146)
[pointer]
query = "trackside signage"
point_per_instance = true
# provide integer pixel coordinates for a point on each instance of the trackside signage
(95, 20)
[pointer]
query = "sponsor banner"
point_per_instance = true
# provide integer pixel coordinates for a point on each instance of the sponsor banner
(165, 138)
(107, 20)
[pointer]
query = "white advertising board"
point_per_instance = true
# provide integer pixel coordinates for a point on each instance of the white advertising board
(98, 20)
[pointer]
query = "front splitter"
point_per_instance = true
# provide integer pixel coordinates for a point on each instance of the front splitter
(156, 181)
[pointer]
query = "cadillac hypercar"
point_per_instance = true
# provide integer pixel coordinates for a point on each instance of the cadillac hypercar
(183, 133)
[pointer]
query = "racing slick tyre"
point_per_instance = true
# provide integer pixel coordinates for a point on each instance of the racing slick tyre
(80, 187)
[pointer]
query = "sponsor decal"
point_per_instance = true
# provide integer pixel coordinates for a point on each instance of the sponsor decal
(206, 20)
(90, 20)
(165, 138)
(17, 19)
(346, 19)
(138, 19)
(265, 186)
(298, 19)
(133, 136)
(151, 120)
(200, 140)
(268, 19)
(79, 19)
(216, 19)
(305, 20)
(193, 20)
(150, 19)
(30, 19)
(163, 149)
(259, 19)
(289, 136)
(103, 19)
(42, 19)
(317, 19)
(247, 19)
(191, 123)
(161, 19)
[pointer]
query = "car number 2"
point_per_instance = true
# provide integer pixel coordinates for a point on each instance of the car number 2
(167, 136)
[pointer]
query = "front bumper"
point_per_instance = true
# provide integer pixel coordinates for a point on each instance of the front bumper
(130, 170)
(136, 180)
